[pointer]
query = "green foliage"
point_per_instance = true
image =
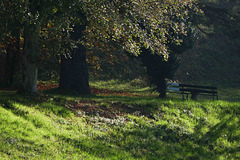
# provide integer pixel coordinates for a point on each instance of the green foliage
(137, 24)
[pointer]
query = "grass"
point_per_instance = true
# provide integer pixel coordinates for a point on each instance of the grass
(117, 127)
(136, 85)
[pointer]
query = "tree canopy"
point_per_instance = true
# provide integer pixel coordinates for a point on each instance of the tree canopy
(136, 24)
(133, 24)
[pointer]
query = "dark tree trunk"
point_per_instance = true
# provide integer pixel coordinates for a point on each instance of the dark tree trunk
(162, 88)
(31, 57)
(159, 70)
(74, 70)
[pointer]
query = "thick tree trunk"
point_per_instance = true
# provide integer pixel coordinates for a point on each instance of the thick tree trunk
(31, 57)
(74, 70)
(162, 87)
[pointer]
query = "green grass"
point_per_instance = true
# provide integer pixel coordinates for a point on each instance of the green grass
(136, 85)
(139, 127)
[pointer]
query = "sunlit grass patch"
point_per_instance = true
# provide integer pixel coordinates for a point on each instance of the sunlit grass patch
(117, 127)
(137, 85)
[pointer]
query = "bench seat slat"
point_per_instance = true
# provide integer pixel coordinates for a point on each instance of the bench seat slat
(196, 86)
(197, 91)
(173, 89)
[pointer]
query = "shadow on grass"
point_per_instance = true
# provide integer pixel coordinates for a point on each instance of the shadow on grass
(58, 104)
(42, 102)
(164, 142)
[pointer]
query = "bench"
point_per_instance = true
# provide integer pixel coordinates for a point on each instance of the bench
(194, 90)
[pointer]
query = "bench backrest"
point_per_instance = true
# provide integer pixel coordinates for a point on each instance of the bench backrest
(187, 87)
(173, 86)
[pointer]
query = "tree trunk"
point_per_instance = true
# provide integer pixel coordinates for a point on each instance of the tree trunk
(74, 70)
(31, 57)
(162, 88)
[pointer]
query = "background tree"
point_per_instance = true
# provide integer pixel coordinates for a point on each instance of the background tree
(159, 70)
(10, 44)
(74, 70)
(215, 58)
(137, 24)
(31, 17)
(119, 22)
(36, 13)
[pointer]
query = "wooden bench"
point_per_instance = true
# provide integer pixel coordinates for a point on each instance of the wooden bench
(194, 90)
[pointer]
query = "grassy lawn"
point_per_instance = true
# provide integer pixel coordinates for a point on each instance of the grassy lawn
(117, 126)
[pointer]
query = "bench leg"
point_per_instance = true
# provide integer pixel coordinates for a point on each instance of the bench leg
(194, 96)
(215, 96)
